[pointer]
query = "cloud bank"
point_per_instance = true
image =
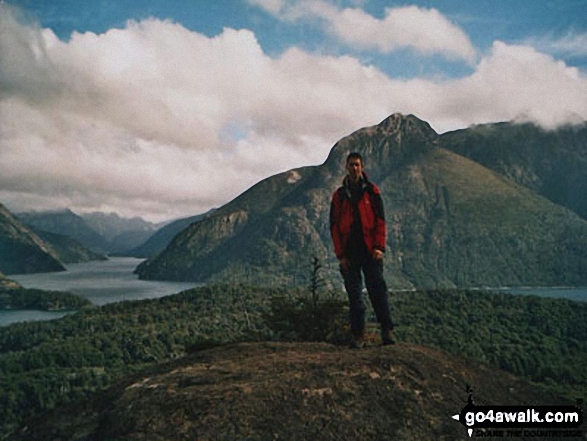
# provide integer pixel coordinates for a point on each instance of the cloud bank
(426, 31)
(160, 121)
(572, 44)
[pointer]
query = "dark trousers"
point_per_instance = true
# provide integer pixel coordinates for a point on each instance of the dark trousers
(376, 287)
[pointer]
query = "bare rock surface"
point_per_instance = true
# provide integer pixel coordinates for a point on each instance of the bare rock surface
(290, 391)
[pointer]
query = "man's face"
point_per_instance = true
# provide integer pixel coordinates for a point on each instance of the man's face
(354, 168)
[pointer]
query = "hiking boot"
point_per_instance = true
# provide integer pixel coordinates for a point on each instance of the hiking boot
(358, 340)
(387, 337)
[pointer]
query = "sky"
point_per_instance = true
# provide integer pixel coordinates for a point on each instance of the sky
(165, 109)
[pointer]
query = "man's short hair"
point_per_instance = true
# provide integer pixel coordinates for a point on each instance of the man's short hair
(355, 155)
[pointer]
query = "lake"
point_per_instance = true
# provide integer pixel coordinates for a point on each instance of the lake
(100, 282)
(113, 281)
(572, 293)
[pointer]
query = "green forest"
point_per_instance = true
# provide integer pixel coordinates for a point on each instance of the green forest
(24, 298)
(44, 364)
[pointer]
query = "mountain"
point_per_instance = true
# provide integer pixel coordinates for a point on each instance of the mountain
(110, 225)
(451, 222)
(162, 237)
(21, 250)
(553, 163)
(291, 391)
(127, 240)
(99, 232)
(66, 223)
(121, 233)
(67, 249)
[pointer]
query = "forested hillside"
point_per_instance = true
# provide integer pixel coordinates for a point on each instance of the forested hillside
(551, 162)
(21, 250)
(452, 221)
(44, 364)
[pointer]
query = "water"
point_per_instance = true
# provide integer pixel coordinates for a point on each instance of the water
(113, 281)
(17, 316)
(100, 282)
(578, 294)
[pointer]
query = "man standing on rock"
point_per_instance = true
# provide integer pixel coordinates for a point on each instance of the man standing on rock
(357, 226)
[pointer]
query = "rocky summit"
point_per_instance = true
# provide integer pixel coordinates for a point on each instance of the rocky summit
(454, 217)
(290, 391)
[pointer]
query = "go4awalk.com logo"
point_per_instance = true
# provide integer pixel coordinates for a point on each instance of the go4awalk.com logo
(517, 421)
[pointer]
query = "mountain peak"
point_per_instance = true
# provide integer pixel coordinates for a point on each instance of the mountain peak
(441, 209)
(399, 121)
(396, 140)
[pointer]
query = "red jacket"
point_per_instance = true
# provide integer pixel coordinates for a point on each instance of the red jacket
(371, 213)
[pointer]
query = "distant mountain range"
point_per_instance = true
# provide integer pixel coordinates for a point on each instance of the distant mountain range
(72, 238)
(494, 205)
(100, 232)
(162, 237)
(66, 223)
(44, 241)
(120, 234)
(25, 249)
(21, 250)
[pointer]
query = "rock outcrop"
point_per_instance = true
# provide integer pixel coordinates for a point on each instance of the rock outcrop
(290, 391)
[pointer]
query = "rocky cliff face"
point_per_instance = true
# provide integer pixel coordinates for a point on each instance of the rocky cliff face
(21, 250)
(451, 222)
(290, 391)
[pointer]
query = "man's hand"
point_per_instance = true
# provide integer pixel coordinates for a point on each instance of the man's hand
(345, 264)
(377, 254)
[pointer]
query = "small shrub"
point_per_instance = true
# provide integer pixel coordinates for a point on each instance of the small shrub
(309, 316)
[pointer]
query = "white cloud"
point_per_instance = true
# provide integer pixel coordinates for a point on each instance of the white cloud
(272, 6)
(572, 44)
(426, 31)
(520, 83)
(160, 121)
